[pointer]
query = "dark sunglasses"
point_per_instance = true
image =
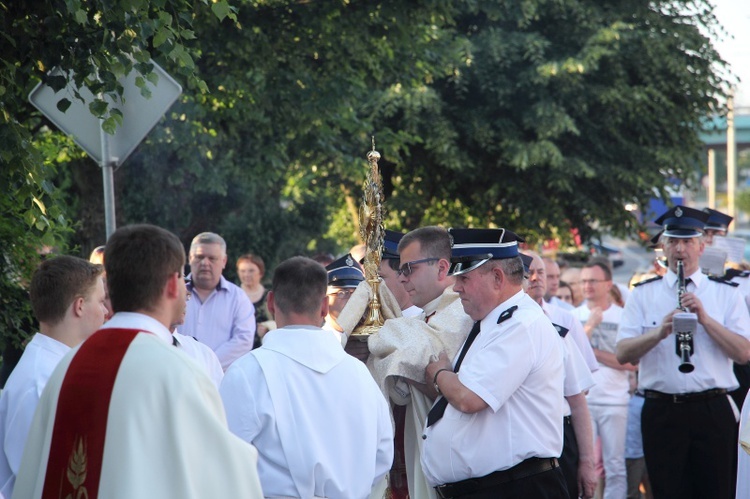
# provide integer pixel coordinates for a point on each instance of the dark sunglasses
(406, 269)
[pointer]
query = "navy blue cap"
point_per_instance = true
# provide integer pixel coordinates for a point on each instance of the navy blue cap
(683, 222)
(471, 248)
(390, 244)
(344, 272)
(655, 239)
(526, 259)
(717, 220)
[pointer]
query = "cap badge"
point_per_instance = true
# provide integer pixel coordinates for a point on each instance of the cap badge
(349, 261)
(678, 212)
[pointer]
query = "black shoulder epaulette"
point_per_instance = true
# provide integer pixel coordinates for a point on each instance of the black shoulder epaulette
(562, 331)
(723, 281)
(507, 314)
(653, 279)
(732, 273)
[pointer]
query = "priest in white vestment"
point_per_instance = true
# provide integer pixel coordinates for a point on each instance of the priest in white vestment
(317, 418)
(126, 414)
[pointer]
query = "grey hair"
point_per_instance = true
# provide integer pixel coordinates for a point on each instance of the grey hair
(208, 238)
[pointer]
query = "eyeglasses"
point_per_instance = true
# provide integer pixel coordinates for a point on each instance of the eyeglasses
(591, 281)
(406, 269)
(343, 293)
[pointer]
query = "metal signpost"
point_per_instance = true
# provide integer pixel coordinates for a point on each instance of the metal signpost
(140, 114)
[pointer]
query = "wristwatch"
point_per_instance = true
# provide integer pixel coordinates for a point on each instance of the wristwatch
(434, 380)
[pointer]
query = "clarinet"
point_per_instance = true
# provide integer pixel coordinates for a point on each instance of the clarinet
(683, 335)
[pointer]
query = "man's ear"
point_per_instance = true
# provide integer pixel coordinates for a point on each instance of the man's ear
(77, 306)
(499, 275)
(324, 307)
(271, 304)
(443, 268)
(172, 289)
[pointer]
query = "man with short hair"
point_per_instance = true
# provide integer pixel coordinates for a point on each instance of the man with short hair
(608, 399)
(577, 460)
(126, 414)
(496, 428)
(220, 314)
(688, 422)
(390, 263)
(286, 398)
(403, 346)
(67, 296)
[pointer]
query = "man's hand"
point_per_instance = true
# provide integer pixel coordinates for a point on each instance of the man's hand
(595, 318)
(434, 366)
(587, 478)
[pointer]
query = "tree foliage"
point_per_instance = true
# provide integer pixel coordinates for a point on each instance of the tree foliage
(94, 43)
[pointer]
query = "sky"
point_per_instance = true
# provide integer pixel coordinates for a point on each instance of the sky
(734, 15)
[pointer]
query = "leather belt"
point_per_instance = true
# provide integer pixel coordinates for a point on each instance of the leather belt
(681, 398)
(567, 420)
(529, 467)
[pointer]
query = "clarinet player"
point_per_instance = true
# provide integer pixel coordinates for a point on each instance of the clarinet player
(688, 420)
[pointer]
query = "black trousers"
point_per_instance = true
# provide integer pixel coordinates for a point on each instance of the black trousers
(689, 448)
(569, 459)
(547, 485)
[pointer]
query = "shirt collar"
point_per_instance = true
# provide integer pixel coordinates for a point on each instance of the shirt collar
(696, 277)
(223, 283)
(134, 320)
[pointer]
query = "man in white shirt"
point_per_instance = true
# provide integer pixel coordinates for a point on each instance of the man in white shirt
(577, 460)
(68, 299)
(126, 414)
(608, 399)
(316, 416)
(496, 429)
(689, 424)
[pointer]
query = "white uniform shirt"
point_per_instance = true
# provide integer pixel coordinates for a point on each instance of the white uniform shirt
(202, 355)
(578, 376)
(517, 368)
(566, 319)
(645, 311)
(19, 400)
(320, 424)
(612, 385)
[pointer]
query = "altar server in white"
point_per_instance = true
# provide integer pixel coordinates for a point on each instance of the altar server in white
(316, 416)
(67, 296)
(126, 414)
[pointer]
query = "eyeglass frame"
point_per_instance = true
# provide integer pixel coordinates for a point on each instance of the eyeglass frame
(406, 270)
(342, 293)
(592, 281)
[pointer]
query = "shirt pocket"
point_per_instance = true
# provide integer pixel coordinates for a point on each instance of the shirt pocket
(651, 322)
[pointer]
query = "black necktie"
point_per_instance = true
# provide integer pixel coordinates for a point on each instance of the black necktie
(438, 409)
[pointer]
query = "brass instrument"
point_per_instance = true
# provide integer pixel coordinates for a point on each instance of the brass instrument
(684, 324)
(372, 232)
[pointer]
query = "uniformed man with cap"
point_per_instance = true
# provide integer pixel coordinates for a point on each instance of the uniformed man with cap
(496, 428)
(344, 275)
(688, 422)
(717, 224)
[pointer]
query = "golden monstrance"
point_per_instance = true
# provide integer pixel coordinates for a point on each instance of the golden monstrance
(371, 231)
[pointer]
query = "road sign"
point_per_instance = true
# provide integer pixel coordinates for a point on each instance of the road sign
(139, 114)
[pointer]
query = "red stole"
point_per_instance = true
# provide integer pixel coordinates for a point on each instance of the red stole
(77, 448)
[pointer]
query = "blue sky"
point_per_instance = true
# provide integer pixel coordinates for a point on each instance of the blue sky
(734, 15)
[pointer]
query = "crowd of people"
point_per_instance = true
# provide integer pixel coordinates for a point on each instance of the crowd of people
(496, 373)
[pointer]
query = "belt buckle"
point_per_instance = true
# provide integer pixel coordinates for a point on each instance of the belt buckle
(678, 398)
